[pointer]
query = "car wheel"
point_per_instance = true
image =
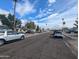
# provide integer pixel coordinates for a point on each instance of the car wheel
(1, 42)
(22, 37)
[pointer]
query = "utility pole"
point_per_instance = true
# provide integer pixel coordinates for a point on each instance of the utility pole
(15, 1)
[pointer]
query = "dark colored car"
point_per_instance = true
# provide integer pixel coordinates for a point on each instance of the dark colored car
(30, 31)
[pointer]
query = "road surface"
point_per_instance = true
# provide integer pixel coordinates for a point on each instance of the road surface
(37, 47)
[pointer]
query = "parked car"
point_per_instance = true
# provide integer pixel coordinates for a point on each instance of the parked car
(75, 31)
(72, 30)
(30, 31)
(8, 35)
(58, 34)
(68, 31)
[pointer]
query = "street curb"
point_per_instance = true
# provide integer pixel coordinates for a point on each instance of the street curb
(69, 37)
(69, 45)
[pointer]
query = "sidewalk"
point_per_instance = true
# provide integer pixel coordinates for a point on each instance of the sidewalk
(72, 42)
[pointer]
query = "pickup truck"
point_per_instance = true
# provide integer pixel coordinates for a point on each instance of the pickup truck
(8, 35)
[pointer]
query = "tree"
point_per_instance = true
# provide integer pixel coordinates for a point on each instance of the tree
(18, 23)
(30, 25)
(5, 20)
(9, 21)
(38, 28)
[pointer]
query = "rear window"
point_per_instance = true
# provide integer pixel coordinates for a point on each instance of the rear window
(59, 32)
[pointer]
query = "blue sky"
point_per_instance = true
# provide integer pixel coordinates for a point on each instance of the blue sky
(43, 12)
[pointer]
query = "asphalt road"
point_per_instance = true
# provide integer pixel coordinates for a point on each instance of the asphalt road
(37, 47)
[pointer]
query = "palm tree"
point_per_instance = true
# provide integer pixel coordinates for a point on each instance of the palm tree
(15, 1)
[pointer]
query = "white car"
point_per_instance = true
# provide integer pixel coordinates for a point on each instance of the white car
(58, 34)
(7, 35)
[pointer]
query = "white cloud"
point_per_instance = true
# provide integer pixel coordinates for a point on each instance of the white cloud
(24, 21)
(69, 17)
(70, 13)
(44, 19)
(51, 1)
(24, 8)
(55, 20)
(43, 13)
(2, 11)
(49, 17)
(52, 15)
